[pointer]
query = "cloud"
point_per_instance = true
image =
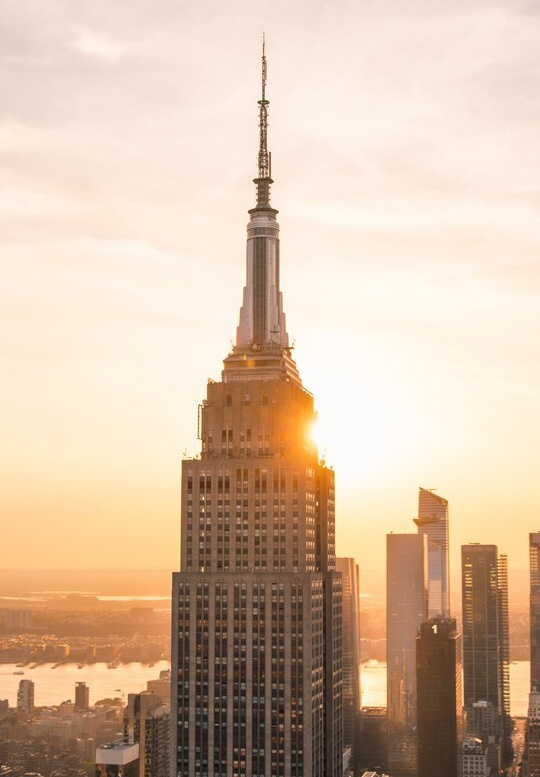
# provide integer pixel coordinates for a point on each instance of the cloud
(405, 152)
(99, 46)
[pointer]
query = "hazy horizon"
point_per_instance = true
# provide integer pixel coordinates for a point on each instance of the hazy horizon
(139, 582)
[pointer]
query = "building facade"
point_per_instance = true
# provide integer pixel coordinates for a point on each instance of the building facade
(473, 758)
(117, 759)
(82, 697)
(433, 522)
(531, 761)
(161, 686)
(257, 642)
(439, 698)
(147, 722)
(25, 696)
(350, 580)
(406, 609)
(486, 643)
(534, 601)
(374, 740)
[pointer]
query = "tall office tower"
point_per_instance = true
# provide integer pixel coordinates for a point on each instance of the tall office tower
(439, 698)
(256, 645)
(504, 631)
(351, 654)
(406, 609)
(82, 697)
(433, 522)
(25, 696)
(534, 603)
(531, 760)
(486, 637)
(147, 721)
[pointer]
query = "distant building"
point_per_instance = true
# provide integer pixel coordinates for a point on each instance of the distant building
(374, 774)
(18, 619)
(147, 721)
(373, 740)
(486, 643)
(66, 708)
(483, 720)
(534, 565)
(161, 686)
(439, 698)
(82, 697)
(117, 759)
(473, 758)
(433, 522)
(25, 696)
(351, 655)
(406, 609)
(532, 742)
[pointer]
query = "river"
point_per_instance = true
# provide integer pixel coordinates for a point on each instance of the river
(53, 686)
(373, 680)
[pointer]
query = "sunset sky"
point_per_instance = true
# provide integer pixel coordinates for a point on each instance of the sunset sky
(405, 153)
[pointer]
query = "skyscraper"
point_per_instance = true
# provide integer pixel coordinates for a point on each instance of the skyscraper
(406, 609)
(485, 636)
(25, 696)
(531, 761)
(439, 698)
(374, 739)
(433, 522)
(351, 654)
(256, 658)
(534, 603)
(147, 721)
(82, 697)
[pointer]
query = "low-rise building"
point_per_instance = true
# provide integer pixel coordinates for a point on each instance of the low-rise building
(473, 758)
(118, 759)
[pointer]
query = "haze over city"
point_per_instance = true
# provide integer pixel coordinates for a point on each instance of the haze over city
(404, 143)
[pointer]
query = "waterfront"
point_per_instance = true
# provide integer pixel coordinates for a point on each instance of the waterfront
(56, 685)
(53, 686)
(373, 679)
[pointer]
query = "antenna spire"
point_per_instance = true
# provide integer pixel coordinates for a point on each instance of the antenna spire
(264, 155)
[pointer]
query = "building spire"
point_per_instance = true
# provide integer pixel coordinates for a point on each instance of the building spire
(264, 179)
(262, 350)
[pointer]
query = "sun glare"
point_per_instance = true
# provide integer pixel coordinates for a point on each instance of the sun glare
(363, 434)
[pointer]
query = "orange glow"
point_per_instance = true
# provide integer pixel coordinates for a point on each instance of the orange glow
(409, 231)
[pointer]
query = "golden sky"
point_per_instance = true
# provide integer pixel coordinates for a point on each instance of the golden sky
(404, 140)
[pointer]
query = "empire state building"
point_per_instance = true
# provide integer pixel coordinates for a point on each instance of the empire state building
(256, 640)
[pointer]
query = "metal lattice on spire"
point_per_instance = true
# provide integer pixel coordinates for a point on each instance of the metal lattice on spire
(264, 156)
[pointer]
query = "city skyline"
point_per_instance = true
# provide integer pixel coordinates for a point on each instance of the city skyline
(406, 170)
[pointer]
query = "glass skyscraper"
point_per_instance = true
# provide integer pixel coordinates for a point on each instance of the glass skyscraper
(433, 522)
(534, 601)
(439, 698)
(406, 609)
(486, 639)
